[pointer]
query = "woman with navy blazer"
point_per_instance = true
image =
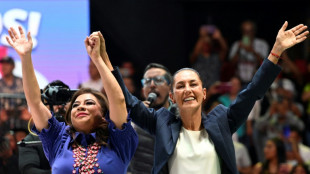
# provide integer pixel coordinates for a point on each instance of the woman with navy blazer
(199, 143)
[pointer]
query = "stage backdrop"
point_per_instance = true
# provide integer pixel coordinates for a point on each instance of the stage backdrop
(58, 29)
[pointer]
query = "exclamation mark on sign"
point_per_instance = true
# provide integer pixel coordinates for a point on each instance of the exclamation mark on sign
(33, 26)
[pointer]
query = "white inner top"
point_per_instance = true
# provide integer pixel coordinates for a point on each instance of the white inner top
(194, 153)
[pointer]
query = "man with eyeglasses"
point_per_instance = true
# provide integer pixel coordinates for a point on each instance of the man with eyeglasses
(156, 79)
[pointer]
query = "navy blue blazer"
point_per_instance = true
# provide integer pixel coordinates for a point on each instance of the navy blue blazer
(220, 123)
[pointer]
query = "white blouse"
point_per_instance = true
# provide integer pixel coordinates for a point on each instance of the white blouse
(194, 153)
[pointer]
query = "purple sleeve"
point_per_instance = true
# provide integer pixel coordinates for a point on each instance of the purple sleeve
(123, 141)
(52, 138)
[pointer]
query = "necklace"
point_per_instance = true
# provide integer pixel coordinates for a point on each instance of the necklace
(86, 159)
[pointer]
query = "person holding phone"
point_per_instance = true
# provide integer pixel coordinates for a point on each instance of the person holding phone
(247, 53)
(275, 123)
(210, 51)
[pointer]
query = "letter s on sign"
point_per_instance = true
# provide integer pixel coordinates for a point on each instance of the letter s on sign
(12, 17)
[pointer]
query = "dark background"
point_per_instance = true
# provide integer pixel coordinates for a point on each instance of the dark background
(165, 31)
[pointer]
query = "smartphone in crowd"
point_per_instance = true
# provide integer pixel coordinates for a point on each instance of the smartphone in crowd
(246, 40)
(286, 134)
(211, 29)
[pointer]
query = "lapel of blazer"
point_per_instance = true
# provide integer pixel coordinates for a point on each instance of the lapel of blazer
(218, 140)
(174, 125)
(175, 130)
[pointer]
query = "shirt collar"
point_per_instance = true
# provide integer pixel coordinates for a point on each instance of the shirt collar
(84, 139)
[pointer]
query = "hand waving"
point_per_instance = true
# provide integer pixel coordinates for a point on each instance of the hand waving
(21, 45)
(289, 38)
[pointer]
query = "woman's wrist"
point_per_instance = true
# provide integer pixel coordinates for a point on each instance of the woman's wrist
(25, 56)
(277, 49)
(96, 59)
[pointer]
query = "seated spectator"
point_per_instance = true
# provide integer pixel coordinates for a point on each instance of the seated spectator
(127, 69)
(275, 159)
(243, 159)
(274, 122)
(4, 124)
(12, 139)
(13, 105)
(297, 152)
(94, 82)
(305, 97)
(10, 84)
(20, 134)
(8, 160)
(292, 70)
(300, 169)
(230, 91)
(283, 87)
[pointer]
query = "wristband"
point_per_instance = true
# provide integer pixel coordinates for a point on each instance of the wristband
(275, 55)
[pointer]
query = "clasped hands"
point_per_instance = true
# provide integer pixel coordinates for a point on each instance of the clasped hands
(95, 46)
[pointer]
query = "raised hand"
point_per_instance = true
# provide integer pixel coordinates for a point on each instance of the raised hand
(21, 45)
(92, 44)
(289, 38)
(103, 52)
(217, 34)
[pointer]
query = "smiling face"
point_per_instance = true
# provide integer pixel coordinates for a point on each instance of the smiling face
(188, 92)
(86, 113)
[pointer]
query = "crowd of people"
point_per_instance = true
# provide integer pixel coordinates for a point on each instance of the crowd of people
(232, 111)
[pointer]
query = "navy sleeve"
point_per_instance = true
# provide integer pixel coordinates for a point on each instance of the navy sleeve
(239, 110)
(141, 115)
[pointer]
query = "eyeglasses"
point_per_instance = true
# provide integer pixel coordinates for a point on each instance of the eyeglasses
(158, 80)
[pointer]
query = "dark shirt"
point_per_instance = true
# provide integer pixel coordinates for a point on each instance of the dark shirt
(142, 161)
(32, 159)
(10, 165)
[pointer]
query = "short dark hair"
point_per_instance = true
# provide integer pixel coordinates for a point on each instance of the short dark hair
(304, 166)
(7, 59)
(249, 22)
(167, 75)
(296, 129)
